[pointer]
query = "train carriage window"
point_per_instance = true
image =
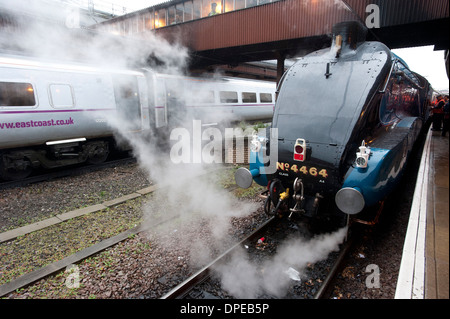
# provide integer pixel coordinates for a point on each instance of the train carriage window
(389, 102)
(200, 97)
(16, 94)
(61, 95)
(228, 97)
(161, 105)
(160, 95)
(206, 96)
(401, 68)
(265, 97)
(401, 97)
(248, 97)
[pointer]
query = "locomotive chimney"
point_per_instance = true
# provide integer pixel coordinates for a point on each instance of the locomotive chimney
(348, 35)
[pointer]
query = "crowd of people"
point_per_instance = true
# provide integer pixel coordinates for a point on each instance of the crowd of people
(441, 114)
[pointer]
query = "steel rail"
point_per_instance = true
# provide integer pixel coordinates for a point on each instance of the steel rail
(203, 274)
(333, 271)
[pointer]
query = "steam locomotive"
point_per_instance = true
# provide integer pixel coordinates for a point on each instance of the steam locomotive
(54, 114)
(346, 120)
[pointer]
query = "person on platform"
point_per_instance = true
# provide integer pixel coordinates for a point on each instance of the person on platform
(438, 113)
(446, 118)
(213, 9)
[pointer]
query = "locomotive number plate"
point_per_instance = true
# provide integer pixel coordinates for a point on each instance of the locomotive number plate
(313, 171)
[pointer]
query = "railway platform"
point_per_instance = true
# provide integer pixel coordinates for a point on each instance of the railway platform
(424, 269)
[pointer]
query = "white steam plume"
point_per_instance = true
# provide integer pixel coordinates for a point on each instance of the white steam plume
(243, 278)
(41, 31)
(43, 36)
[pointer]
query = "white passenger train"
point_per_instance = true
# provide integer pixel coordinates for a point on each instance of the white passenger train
(57, 114)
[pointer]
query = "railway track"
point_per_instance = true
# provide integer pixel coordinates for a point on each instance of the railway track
(203, 274)
(192, 288)
(325, 286)
(183, 289)
(57, 266)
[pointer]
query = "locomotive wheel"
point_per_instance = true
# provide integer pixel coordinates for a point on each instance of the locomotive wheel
(98, 153)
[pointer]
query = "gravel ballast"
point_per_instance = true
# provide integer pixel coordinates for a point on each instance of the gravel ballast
(40, 248)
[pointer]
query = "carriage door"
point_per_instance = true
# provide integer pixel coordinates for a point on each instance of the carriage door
(176, 108)
(128, 108)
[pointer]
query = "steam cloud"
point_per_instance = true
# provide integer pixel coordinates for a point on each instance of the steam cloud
(46, 35)
(40, 37)
(243, 278)
(200, 201)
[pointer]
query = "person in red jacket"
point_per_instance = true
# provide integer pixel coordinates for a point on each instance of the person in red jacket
(438, 113)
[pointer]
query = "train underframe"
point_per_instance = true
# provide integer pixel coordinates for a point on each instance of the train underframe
(18, 163)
